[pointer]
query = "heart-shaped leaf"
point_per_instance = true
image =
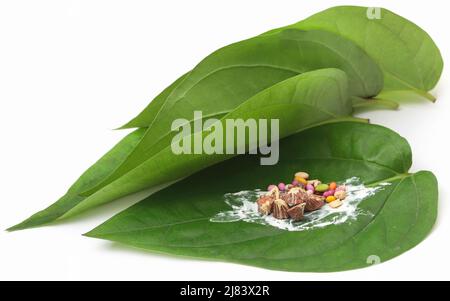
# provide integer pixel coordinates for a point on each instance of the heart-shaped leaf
(409, 58)
(176, 220)
(233, 74)
(299, 102)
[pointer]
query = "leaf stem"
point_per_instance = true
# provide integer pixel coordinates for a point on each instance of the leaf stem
(359, 102)
(425, 94)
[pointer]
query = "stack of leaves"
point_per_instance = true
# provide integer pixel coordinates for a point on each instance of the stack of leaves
(311, 76)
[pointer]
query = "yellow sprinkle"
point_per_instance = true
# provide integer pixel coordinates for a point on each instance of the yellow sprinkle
(300, 180)
(331, 199)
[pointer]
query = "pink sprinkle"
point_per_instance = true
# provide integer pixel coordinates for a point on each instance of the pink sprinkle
(310, 187)
(271, 187)
(328, 193)
(282, 186)
(295, 183)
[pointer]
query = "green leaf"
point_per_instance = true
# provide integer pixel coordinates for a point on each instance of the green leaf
(238, 71)
(409, 58)
(145, 118)
(299, 102)
(96, 173)
(176, 220)
(231, 75)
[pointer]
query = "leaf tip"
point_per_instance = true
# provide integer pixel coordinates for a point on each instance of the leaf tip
(17, 227)
(126, 126)
(92, 234)
(87, 234)
(123, 127)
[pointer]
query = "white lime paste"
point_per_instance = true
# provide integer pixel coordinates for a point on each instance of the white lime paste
(244, 208)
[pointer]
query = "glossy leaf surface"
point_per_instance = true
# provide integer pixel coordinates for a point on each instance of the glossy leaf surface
(176, 220)
(409, 58)
(233, 74)
(299, 102)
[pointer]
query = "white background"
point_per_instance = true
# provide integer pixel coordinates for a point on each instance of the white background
(70, 71)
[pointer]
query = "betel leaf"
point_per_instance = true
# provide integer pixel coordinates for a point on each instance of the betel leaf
(97, 172)
(176, 220)
(299, 102)
(144, 118)
(238, 71)
(409, 58)
(231, 75)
